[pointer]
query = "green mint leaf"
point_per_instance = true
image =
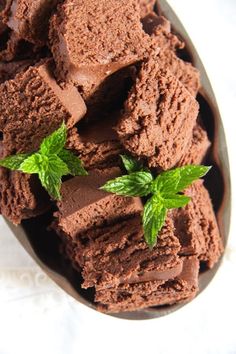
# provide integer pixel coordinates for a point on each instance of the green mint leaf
(52, 184)
(176, 180)
(33, 164)
(55, 142)
(14, 162)
(137, 184)
(131, 164)
(51, 162)
(50, 170)
(50, 175)
(189, 174)
(56, 166)
(73, 163)
(154, 216)
(166, 182)
(175, 201)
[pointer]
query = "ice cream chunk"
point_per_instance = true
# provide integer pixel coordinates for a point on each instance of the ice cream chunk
(91, 40)
(84, 205)
(97, 143)
(8, 71)
(159, 117)
(198, 147)
(197, 227)
(33, 106)
(159, 28)
(118, 254)
(29, 19)
(21, 196)
(15, 48)
(146, 6)
(131, 297)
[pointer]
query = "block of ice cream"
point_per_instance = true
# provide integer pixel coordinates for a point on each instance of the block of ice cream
(8, 71)
(15, 48)
(159, 28)
(96, 143)
(33, 106)
(135, 296)
(159, 117)
(21, 196)
(91, 40)
(118, 254)
(146, 6)
(198, 147)
(84, 205)
(29, 19)
(197, 227)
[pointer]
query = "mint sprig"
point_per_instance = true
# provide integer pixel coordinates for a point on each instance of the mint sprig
(164, 192)
(51, 162)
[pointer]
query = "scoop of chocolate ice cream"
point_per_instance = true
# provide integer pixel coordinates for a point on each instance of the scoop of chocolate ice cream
(159, 117)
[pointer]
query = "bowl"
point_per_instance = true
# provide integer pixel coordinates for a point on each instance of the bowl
(42, 245)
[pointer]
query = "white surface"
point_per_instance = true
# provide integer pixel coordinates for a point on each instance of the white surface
(37, 317)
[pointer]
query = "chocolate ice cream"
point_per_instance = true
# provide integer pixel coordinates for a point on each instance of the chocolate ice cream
(21, 196)
(131, 297)
(159, 117)
(114, 72)
(8, 71)
(29, 19)
(198, 147)
(97, 144)
(84, 205)
(197, 227)
(118, 254)
(33, 106)
(91, 40)
(159, 28)
(146, 6)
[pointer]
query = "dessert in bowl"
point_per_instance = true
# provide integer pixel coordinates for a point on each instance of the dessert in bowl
(123, 80)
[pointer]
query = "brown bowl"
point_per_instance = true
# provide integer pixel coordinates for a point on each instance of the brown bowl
(42, 245)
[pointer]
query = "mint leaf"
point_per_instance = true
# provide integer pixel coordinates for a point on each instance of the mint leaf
(33, 164)
(189, 174)
(73, 163)
(51, 162)
(50, 175)
(55, 142)
(137, 184)
(13, 162)
(52, 183)
(165, 189)
(154, 216)
(167, 182)
(131, 164)
(175, 201)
